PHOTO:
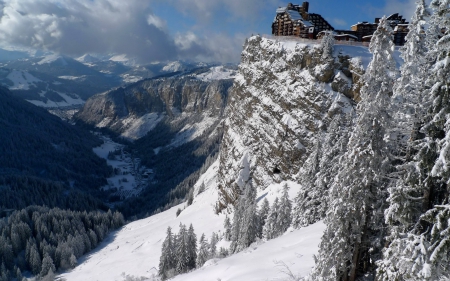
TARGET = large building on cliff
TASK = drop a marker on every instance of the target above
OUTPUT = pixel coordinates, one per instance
(295, 20)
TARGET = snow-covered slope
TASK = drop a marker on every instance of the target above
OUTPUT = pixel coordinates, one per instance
(22, 80)
(135, 249)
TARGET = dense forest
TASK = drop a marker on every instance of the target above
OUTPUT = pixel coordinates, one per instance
(44, 159)
(42, 241)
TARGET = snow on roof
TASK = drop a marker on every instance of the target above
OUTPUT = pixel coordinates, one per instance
(363, 23)
(367, 36)
(307, 23)
(344, 35)
(281, 10)
(294, 15)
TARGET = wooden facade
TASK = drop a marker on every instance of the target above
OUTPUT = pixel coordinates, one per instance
(295, 20)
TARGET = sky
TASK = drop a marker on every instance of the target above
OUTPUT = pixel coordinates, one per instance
(164, 30)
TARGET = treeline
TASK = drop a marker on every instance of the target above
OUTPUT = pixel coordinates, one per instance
(42, 240)
(180, 253)
(250, 224)
(19, 192)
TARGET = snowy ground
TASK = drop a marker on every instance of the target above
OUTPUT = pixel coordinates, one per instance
(192, 131)
(22, 80)
(135, 249)
(139, 127)
(217, 73)
(68, 101)
(130, 181)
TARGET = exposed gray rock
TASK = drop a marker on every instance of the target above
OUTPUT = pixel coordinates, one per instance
(125, 109)
(284, 95)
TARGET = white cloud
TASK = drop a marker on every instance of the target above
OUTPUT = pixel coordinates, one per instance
(207, 10)
(156, 21)
(131, 27)
(83, 26)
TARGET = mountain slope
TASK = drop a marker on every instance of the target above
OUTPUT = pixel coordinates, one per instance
(175, 124)
(135, 249)
(38, 146)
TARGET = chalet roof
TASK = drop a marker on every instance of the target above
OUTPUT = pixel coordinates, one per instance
(363, 23)
(345, 35)
(307, 23)
(294, 15)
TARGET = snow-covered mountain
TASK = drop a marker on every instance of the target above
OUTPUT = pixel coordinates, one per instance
(283, 98)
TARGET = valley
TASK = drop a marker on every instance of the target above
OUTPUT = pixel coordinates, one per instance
(310, 160)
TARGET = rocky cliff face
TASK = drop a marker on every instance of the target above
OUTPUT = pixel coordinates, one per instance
(284, 95)
(135, 110)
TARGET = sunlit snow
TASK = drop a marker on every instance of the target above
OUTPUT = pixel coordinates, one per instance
(135, 249)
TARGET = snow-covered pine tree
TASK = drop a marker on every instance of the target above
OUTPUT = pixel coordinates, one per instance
(168, 259)
(228, 229)
(191, 248)
(182, 265)
(319, 170)
(249, 223)
(308, 197)
(203, 252)
(47, 266)
(239, 209)
(327, 45)
(407, 192)
(213, 245)
(432, 229)
(262, 216)
(354, 236)
(270, 227)
(284, 217)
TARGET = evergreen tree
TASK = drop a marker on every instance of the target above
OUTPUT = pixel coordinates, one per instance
(182, 265)
(262, 217)
(228, 229)
(354, 236)
(427, 191)
(47, 266)
(249, 222)
(237, 222)
(284, 217)
(269, 231)
(413, 182)
(168, 259)
(191, 248)
(245, 220)
(203, 253)
(309, 197)
(213, 245)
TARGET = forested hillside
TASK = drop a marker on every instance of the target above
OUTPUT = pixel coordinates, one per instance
(41, 240)
(44, 160)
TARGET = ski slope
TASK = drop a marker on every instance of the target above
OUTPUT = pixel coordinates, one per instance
(135, 249)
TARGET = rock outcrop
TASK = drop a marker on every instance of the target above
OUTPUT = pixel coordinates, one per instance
(284, 95)
(133, 111)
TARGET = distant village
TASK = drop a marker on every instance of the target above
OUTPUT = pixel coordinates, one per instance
(296, 20)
